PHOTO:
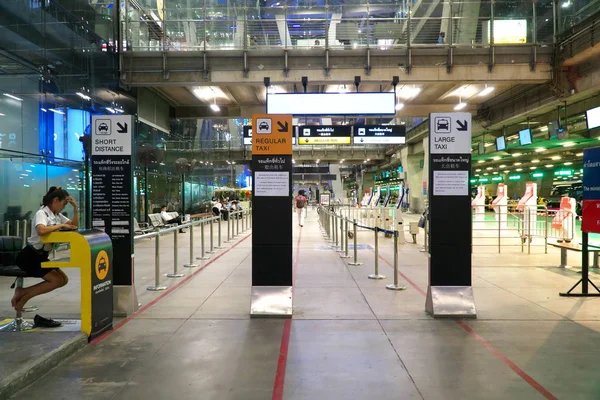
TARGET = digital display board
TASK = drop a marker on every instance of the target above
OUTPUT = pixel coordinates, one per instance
(500, 143)
(380, 134)
(324, 134)
(593, 118)
(525, 137)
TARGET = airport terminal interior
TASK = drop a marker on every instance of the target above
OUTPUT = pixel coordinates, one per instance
(299, 199)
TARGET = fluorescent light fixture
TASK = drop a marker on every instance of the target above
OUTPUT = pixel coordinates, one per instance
(548, 165)
(43, 109)
(506, 171)
(109, 109)
(486, 174)
(2, 115)
(540, 149)
(318, 161)
(496, 158)
(478, 170)
(532, 168)
(56, 111)
(399, 106)
(13, 97)
(517, 154)
(569, 144)
(465, 90)
(556, 158)
(568, 163)
(566, 4)
(535, 161)
(332, 103)
(409, 92)
(486, 91)
(544, 128)
(215, 107)
(579, 154)
(368, 159)
(519, 169)
(489, 168)
(460, 106)
(517, 163)
(480, 161)
(208, 93)
(503, 166)
(83, 96)
(293, 161)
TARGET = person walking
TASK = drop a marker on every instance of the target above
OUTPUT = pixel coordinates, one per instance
(299, 207)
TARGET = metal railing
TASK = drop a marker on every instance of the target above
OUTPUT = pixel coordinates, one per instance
(242, 25)
(335, 230)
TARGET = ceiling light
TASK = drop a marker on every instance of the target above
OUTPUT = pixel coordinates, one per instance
(486, 91)
(503, 166)
(544, 128)
(318, 161)
(568, 163)
(532, 168)
(2, 115)
(540, 149)
(207, 93)
(13, 97)
(293, 161)
(548, 165)
(478, 170)
(496, 158)
(535, 161)
(569, 144)
(460, 106)
(566, 4)
(486, 174)
(112, 110)
(342, 160)
(480, 161)
(409, 92)
(399, 106)
(56, 111)
(518, 163)
(43, 109)
(368, 159)
(83, 96)
(489, 168)
(517, 154)
(506, 171)
(556, 157)
(519, 169)
(579, 154)
(215, 107)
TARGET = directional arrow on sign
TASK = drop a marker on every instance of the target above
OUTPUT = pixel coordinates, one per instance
(462, 126)
(122, 127)
(283, 127)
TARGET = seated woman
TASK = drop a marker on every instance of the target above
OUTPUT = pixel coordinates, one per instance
(48, 219)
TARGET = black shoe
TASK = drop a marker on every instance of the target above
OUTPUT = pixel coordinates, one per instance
(45, 322)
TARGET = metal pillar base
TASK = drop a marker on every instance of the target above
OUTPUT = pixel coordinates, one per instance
(376, 276)
(156, 288)
(450, 302)
(210, 251)
(395, 287)
(174, 275)
(344, 256)
(16, 325)
(203, 258)
(125, 300)
(271, 301)
(355, 263)
(191, 265)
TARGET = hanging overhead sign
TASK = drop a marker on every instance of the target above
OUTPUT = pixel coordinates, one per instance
(362, 103)
(324, 134)
(379, 134)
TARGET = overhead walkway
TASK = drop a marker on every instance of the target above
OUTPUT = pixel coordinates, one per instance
(349, 338)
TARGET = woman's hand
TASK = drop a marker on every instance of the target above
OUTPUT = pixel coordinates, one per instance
(68, 226)
(71, 201)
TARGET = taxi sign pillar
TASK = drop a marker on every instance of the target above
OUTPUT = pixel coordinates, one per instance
(272, 195)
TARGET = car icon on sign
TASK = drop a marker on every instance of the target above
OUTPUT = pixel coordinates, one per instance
(102, 265)
(263, 126)
(443, 124)
(103, 127)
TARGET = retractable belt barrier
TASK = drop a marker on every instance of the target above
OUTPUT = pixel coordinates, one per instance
(338, 239)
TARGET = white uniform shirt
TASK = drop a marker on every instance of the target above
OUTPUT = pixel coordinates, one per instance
(165, 216)
(44, 216)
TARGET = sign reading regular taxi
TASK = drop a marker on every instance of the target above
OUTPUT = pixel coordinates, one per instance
(332, 134)
(271, 134)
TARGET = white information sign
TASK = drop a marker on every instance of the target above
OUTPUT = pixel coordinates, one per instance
(111, 135)
(450, 183)
(450, 133)
(272, 184)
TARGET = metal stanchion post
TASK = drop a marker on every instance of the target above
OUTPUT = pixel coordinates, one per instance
(395, 285)
(341, 234)
(335, 231)
(376, 275)
(219, 246)
(228, 231)
(202, 255)
(355, 245)
(191, 264)
(237, 223)
(175, 257)
(212, 234)
(7, 228)
(156, 286)
(17, 228)
(345, 255)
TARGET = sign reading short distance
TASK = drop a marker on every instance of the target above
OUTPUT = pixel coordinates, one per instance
(324, 134)
(450, 133)
(379, 134)
(272, 134)
(112, 188)
(591, 191)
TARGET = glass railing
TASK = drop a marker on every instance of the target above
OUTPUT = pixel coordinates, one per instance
(270, 24)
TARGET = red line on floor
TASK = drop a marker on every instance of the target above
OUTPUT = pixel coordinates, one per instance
(279, 384)
(527, 378)
(165, 293)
